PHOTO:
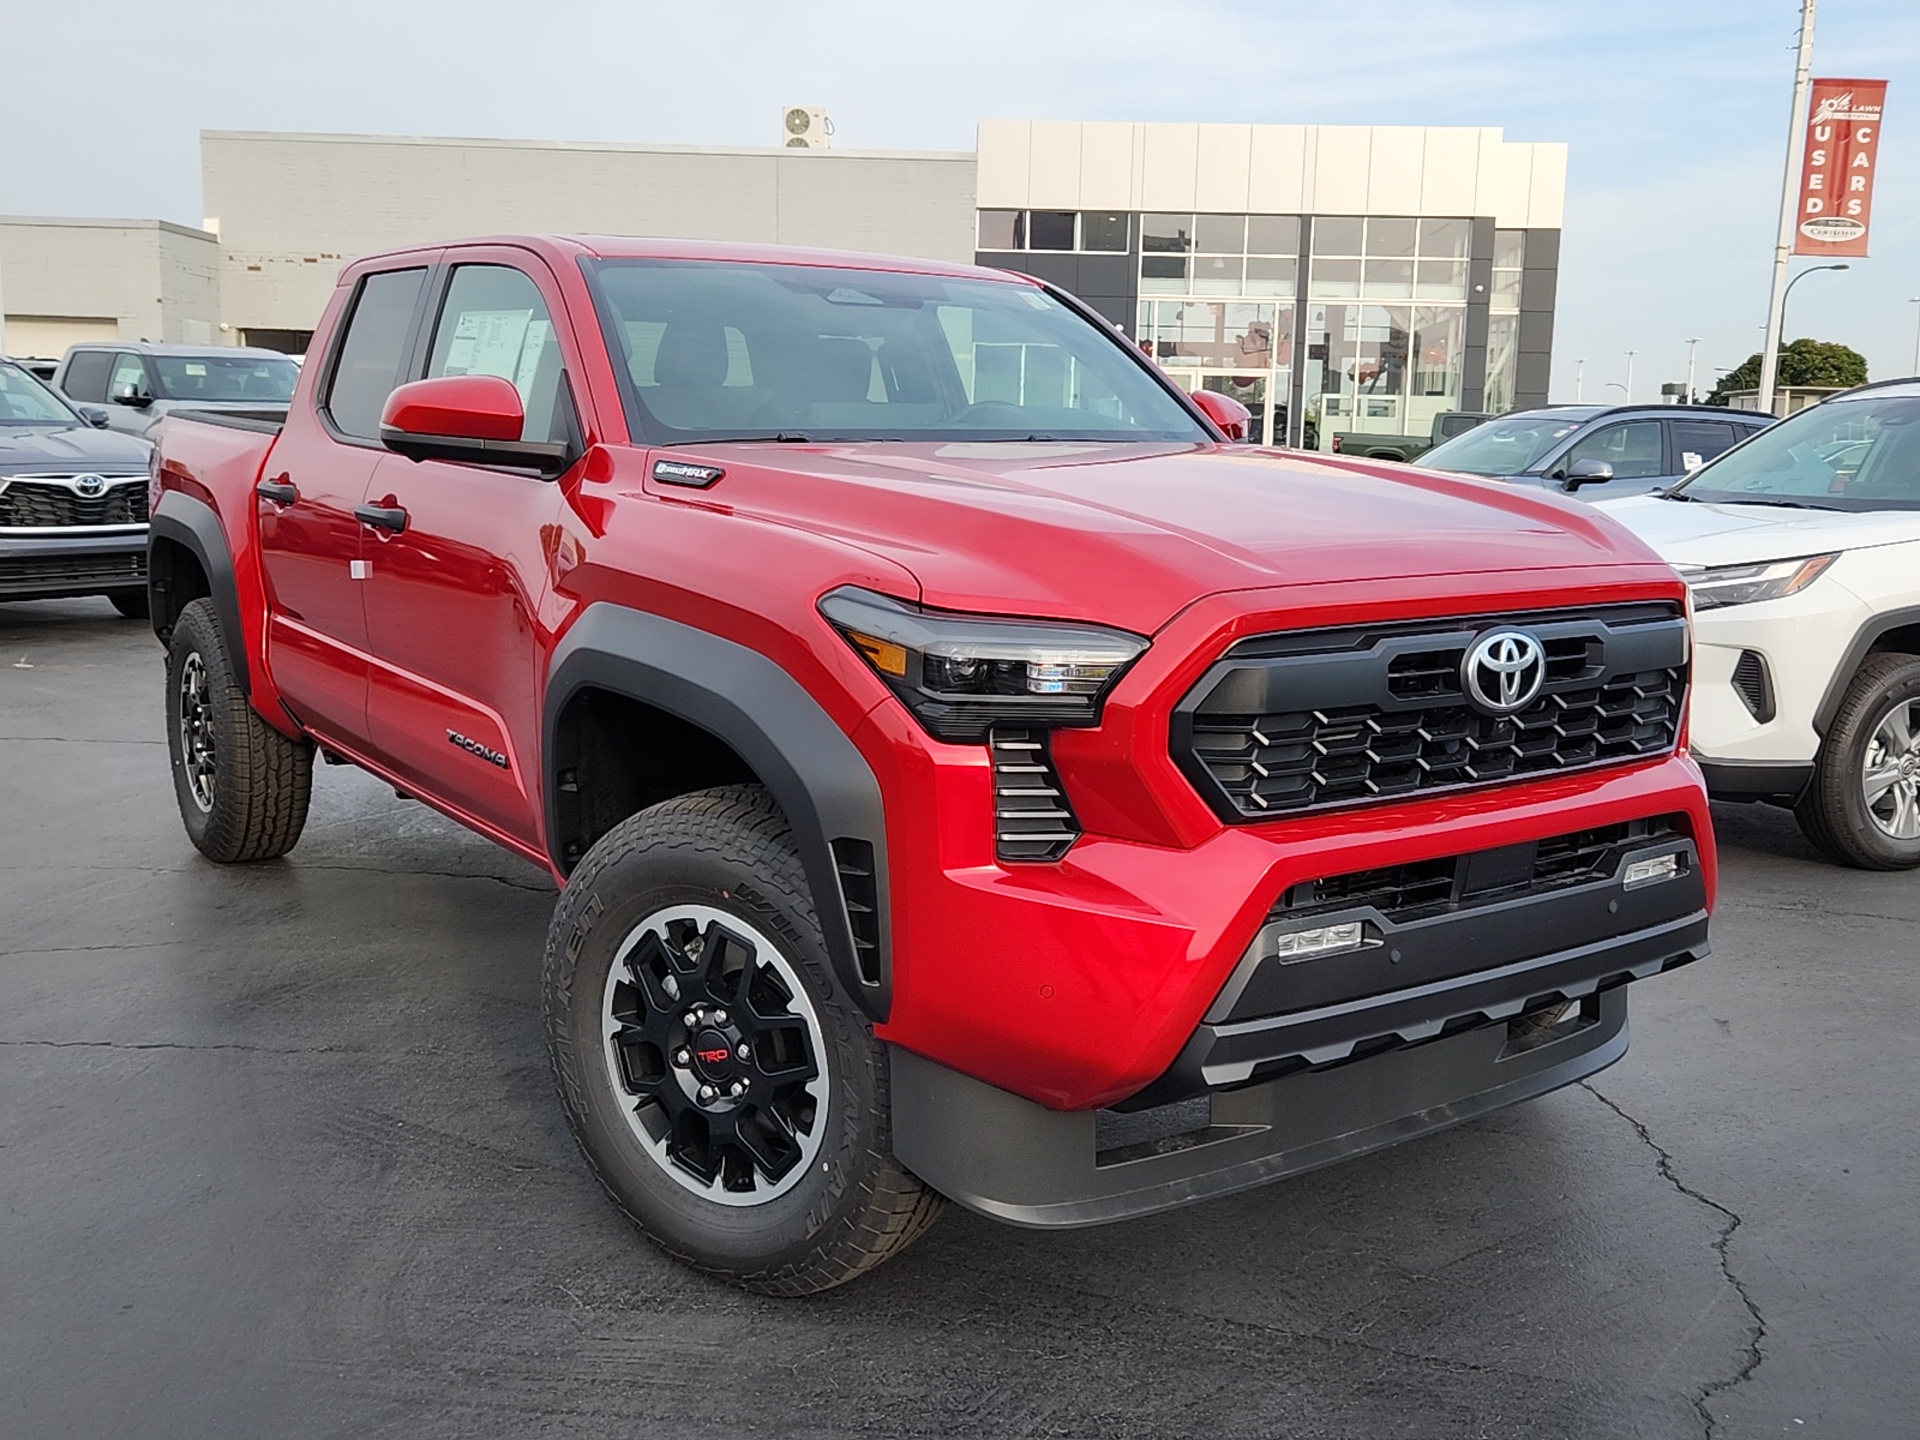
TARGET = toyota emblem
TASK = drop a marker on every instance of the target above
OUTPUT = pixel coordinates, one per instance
(90, 486)
(1504, 670)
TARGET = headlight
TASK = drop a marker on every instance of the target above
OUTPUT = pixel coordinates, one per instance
(1717, 585)
(962, 674)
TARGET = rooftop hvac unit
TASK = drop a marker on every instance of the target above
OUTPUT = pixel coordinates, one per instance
(806, 127)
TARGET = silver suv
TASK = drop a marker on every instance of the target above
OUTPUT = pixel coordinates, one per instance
(140, 383)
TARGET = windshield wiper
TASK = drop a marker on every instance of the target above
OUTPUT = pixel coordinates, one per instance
(779, 437)
(1780, 504)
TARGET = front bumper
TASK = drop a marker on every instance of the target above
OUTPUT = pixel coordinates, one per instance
(50, 566)
(1016, 1161)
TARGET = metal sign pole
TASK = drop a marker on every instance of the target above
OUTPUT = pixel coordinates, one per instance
(1789, 205)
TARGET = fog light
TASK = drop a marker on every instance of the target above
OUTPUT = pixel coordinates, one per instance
(1323, 940)
(1651, 872)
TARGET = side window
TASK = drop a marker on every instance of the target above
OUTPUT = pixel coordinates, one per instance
(86, 377)
(129, 376)
(495, 323)
(367, 366)
(1632, 449)
(1697, 441)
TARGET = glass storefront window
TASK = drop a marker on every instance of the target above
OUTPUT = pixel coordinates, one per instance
(1506, 290)
(1103, 231)
(1220, 234)
(1336, 235)
(1218, 275)
(1273, 235)
(1165, 233)
(1333, 279)
(1163, 274)
(1003, 230)
(1503, 361)
(1509, 249)
(1390, 236)
(1445, 239)
(1439, 344)
(1272, 277)
(1220, 336)
(1387, 279)
(1440, 280)
(1050, 229)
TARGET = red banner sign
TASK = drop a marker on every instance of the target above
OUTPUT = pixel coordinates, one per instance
(1838, 158)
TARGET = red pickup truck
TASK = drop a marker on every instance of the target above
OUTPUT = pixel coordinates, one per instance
(968, 774)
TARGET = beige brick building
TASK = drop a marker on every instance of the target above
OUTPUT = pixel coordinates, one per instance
(67, 280)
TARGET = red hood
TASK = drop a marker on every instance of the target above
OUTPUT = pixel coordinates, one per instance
(1129, 535)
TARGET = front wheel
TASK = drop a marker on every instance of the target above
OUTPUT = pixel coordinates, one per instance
(1863, 807)
(724, 1089)
(241, 785)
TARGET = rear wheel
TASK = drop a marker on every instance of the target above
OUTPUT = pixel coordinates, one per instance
(727, 1094)
(1863, 807)
(241, 785)
(130, 603)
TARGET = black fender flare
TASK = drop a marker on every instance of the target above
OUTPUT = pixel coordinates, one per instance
(815, 773)
(192, 525)
(1864, 640)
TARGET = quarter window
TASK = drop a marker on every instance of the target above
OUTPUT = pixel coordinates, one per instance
(1703, 440)
(370, 355)
(495, 323)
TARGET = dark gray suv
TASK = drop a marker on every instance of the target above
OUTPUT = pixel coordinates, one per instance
(1597, 451)
(140, 383)
(73, 501)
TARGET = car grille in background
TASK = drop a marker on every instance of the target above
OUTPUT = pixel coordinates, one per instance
(20, 571)
(49, 505)
(1031, 817)
(1754, 685)
(1413, 730)
(1424, 888)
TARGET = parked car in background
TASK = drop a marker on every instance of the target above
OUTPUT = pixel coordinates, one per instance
(73, 501)
(1597, 451)
(38, 366)
(1447, 424)
(140, 384)
(1802, 548)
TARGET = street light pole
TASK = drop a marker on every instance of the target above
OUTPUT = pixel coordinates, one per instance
(1692, 345)
(1629, 385)
(1810, 270)
(1580, 374)
(1916, 335)
(1783, 242)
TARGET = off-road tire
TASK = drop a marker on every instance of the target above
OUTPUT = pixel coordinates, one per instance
(260, 780)
(1833, 812)
(728, 850)
(130, 603)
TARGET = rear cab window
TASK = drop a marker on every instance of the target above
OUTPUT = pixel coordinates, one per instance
(371, 350)
(86, 377)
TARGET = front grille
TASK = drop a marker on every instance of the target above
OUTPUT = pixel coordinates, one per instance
(48, 505)
(1031, 817)
(1291, 724)
(106, 570)
(1424, 888)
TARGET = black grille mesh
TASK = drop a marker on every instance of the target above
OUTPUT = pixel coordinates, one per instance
(19, 570)
(1754, 685)
(43, 505)
(1031, 817)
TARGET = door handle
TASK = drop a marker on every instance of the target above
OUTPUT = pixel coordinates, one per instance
(280, 491)
(382, 517)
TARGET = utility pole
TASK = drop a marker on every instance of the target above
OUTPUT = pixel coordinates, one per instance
(1916, 336)
(1580, 375)
(1629, 385)
(1783, 243)
(1692, 345)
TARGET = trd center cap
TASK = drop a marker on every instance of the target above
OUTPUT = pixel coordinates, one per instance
(712, 1056)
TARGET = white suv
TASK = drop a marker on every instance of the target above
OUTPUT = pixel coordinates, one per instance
(1802, 549)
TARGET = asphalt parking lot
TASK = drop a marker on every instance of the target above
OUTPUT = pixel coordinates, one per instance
(279, 1156)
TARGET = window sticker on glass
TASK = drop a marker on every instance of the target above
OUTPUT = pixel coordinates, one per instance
(488, 342)
(195, 367)
(539, 336)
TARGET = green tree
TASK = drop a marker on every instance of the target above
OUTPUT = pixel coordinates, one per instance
(1804, 362)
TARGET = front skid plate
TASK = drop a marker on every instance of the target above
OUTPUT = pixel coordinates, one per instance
(1006, 1157)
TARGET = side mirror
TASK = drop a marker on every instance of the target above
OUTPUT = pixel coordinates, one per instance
(94, 415)
(131, 395)
(472, 418)
(1587, 472)
(1223, 410)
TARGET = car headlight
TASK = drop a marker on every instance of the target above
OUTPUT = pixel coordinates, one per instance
(1712, 586)
(962, 674)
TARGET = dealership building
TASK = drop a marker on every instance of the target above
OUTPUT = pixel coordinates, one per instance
(1331, 277)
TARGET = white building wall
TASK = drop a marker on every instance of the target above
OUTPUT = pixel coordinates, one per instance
(67, 280)
(291, 210)
(1272, 169)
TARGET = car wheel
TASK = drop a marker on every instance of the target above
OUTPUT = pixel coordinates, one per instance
(241, 785)
(1863, 807)
(727, 1094)
(130, 603)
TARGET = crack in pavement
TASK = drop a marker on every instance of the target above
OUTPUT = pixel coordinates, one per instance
(75, 740)
(1754, 1356)
(172, 1045)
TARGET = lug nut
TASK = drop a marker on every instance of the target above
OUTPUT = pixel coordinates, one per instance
(707, 1092)
(739, 1088)
(744, 1051)
(719, 1017)
(683, 1058)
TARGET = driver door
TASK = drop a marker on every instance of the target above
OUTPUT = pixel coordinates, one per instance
(1635, 450)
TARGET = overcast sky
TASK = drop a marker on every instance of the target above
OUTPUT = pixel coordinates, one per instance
(1675, 110)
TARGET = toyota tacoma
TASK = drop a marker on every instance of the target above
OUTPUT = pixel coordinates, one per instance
(967, 774)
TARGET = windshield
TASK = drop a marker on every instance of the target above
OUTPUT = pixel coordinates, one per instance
(1501, 447)
(25, 401)
(725, 351)
(261, 380)
(1857, 454)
